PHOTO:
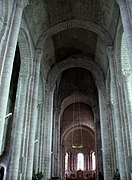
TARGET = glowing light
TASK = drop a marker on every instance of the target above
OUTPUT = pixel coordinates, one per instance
(77, 146)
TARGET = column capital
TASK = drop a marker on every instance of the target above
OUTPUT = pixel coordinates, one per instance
(57, 109)
(99, 84)
(23, 76)
(95, 109)
(38, 54)
(22, 3)
(110, 49)
(40, 104)
(39, 51)
(48, 87)
(126, 73)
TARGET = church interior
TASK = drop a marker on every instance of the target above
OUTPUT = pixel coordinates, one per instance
(66, 89)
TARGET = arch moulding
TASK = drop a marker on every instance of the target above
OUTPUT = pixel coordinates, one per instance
(72, 62)
(102, 33)
(80, 98)
(71, 128)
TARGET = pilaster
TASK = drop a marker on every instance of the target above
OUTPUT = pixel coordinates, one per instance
(33, 118)
(105, 136)
(99, 163)
(19, 112)
(37, 142)
(56, 143)
(7, 70)
(116, 80)
(126, 26)
(48, 132)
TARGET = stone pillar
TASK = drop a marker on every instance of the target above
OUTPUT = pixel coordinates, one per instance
(18, 128)
(127, 93)
(7, 70)
(90, 161)
(124, 124)
(62, 167)
(99, 163)
(70, 166)
(127, 77)
(41, 138)
(117, 112)
(48, 132)
(105, 136)
(75, 162)
(86, 162)
(37, 143)
(33, 118)
(56, 144)
(72, 162)
(26, 128)
(126, 26)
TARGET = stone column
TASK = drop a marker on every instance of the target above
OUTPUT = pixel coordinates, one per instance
(127, 93)
(56, 144)
(105, 136)
(126, 26)
(86, 162)
(72, 159)
(124, 124)
(37, 143)
(48, 131)
(18, 128)
(75, 162)
(99, 163)
(8, 65)
(90, 161)
(41, 139)
(70, 165)
(117, 118)
(62, 167)
(33, 118)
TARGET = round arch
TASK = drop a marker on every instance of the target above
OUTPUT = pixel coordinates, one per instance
(73, 127)
(71, 62)
(102, 33)
(26, 51)
(80, 98)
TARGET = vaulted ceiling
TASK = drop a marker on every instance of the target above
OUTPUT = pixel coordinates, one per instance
(73, 28)
(42, 15)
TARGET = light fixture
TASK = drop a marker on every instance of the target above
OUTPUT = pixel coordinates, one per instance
(8, 115)
(77, 146)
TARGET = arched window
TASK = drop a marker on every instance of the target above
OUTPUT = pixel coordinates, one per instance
(80, 161)
(93, 161)
(66, 161)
